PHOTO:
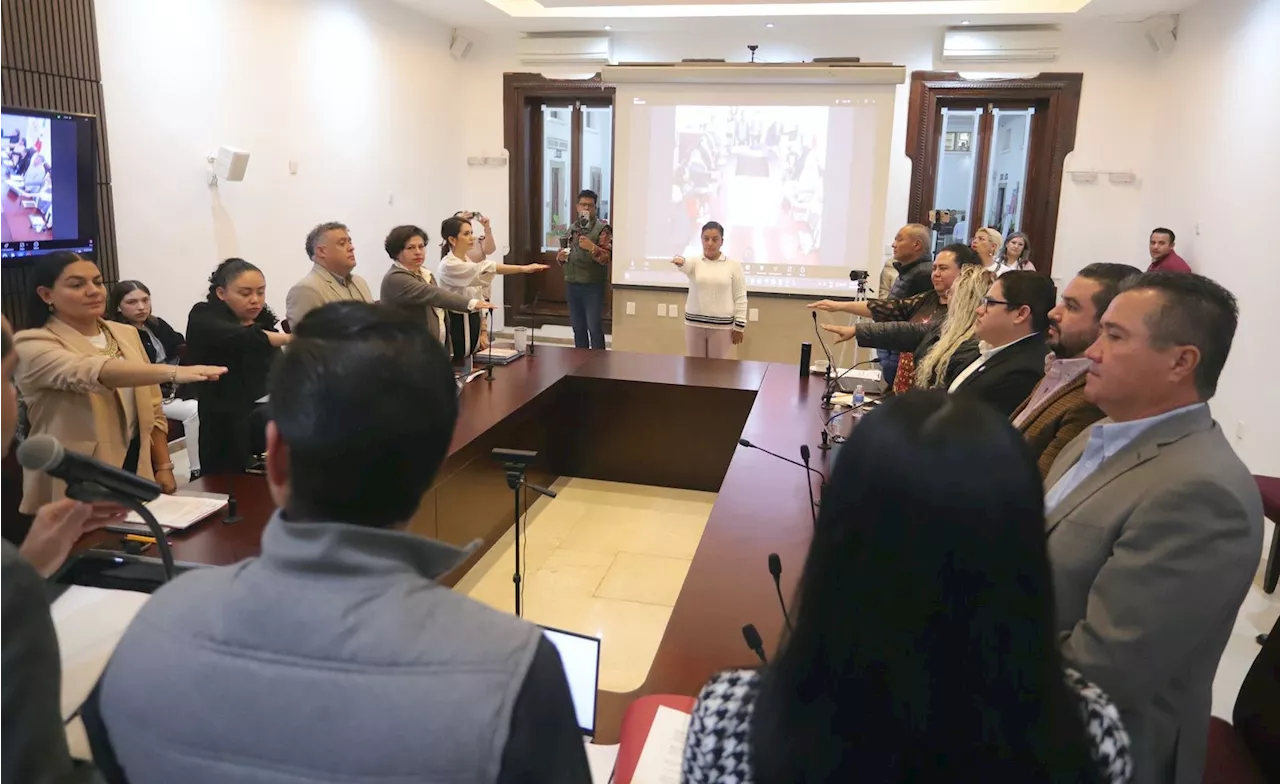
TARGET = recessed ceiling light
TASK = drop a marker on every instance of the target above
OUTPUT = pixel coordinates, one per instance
(768, 24)
(610, 27)
(964, 22)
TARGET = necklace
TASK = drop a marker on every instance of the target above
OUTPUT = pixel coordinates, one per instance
(112, 349)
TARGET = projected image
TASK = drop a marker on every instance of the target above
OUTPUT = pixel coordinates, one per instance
(27, 161)
(758, 170)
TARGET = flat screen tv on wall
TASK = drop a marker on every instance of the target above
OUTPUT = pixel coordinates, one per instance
(48, 191)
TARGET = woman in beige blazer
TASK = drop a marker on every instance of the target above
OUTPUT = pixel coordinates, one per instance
(87, 382)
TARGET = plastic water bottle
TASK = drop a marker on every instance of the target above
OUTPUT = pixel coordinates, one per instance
(859, 396)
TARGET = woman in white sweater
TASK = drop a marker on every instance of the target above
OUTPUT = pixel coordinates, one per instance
(715, 315)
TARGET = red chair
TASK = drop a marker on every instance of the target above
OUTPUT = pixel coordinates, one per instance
(635, 729)
(1247, 751)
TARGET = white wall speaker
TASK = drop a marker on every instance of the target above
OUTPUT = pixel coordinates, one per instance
(231, 164)
(459, 47)
(1161, 33)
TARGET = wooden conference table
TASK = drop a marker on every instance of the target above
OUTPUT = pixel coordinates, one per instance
(638, 418)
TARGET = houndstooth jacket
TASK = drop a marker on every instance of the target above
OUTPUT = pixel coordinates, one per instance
(718, 749)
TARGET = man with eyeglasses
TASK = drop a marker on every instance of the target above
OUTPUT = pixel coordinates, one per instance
(1010, 329)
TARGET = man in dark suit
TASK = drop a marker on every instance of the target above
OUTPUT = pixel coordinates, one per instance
(35, 743)
(1010, 332)
(1056, 410)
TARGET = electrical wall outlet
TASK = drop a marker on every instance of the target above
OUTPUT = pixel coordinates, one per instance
(673, 311)
(753, 314)
(662, 309)
(631, 308)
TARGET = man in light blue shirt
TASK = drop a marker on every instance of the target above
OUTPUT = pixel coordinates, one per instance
(1154, 526)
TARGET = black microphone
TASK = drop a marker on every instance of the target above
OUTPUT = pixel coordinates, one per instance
(533, 329)
(804, 456)
(45, 454)
(813, 508)
(90, 480)
(775, 569)
(488, 373)
(752, 638)
(831, 362)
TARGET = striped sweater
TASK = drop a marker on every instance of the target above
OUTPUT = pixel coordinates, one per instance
(717, 293)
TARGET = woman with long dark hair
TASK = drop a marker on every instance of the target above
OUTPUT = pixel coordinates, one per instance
(924, 646)
(130, 303)
(460, 274)
(234, 327)
(87, 382)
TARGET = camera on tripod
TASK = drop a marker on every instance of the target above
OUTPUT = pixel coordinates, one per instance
(857, 276)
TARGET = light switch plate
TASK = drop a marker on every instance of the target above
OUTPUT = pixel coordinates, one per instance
(631, 308)
(753, 314)
(662, 309)
(673, 311)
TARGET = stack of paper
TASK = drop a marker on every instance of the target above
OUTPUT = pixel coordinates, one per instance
(89, 622)
(175, 512)
(663, 752)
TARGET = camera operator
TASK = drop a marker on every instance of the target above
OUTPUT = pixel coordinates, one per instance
(483, 246)
(585, 256)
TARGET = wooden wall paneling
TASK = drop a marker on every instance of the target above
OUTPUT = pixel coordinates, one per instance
(1056, 95)
(50, 61)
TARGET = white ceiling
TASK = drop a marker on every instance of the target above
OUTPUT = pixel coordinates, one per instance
(660, 15)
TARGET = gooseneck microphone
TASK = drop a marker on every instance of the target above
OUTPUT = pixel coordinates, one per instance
(775, 569)
(533, 326)
(822, 488)
(91, 481)
(488, 373)
(753, 641)
(47, 455)
(813, 504)
(831, 362)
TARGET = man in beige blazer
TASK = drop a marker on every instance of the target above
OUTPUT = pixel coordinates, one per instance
(1154, 524)
(333, 257)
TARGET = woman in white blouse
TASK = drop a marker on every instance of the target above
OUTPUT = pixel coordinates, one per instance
(460, 275)
(715, 315)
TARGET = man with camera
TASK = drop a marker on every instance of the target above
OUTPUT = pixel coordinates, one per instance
(585, 256)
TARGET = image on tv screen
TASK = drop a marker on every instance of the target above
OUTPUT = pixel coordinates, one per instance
(42, 162)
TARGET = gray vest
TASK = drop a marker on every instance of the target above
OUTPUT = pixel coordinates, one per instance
(333, 655)
(581, 266)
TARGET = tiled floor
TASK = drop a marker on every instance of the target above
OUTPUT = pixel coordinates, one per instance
(603, 559)
(608, 560)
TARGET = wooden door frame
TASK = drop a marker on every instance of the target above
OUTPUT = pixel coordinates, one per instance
(520, 133)
(1058, 93)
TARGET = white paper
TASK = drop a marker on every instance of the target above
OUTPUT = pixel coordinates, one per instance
(663, 752)
(181, 511)
(601, 760)
(89, 623)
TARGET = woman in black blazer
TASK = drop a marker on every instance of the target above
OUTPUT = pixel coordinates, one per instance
(130, 303)
(234, 323)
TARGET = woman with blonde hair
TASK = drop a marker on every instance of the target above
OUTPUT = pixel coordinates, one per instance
(986, 241)
(956, 347)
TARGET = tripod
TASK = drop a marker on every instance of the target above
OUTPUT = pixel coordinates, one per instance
(514, 463)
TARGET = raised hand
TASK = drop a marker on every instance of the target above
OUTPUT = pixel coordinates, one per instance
(529, 269)
(825, 305)
(842, 333)
(678, 261)
(192, 374)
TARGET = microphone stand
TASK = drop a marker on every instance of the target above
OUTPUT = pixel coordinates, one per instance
(533, 321)
(515, 480)
(826, 396)
(92, 492)
(488, 373)
(813, 505)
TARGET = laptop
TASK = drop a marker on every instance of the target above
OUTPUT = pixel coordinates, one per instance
(580, 656)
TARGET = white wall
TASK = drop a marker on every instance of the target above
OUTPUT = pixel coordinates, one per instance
(1113, 130)
(1211, 178)
(357, 92)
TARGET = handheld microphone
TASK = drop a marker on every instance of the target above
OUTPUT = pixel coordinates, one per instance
(775, 569)
(752, 638)
(45, 454)
(90, 480)
(813, 507)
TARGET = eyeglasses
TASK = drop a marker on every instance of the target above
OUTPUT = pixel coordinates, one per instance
(989, 301)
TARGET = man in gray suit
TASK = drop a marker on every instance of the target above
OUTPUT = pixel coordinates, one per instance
(331, 279)
(1154, 523)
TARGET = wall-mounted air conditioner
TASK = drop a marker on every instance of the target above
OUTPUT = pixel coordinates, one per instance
(965, 45)
(562, 49)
